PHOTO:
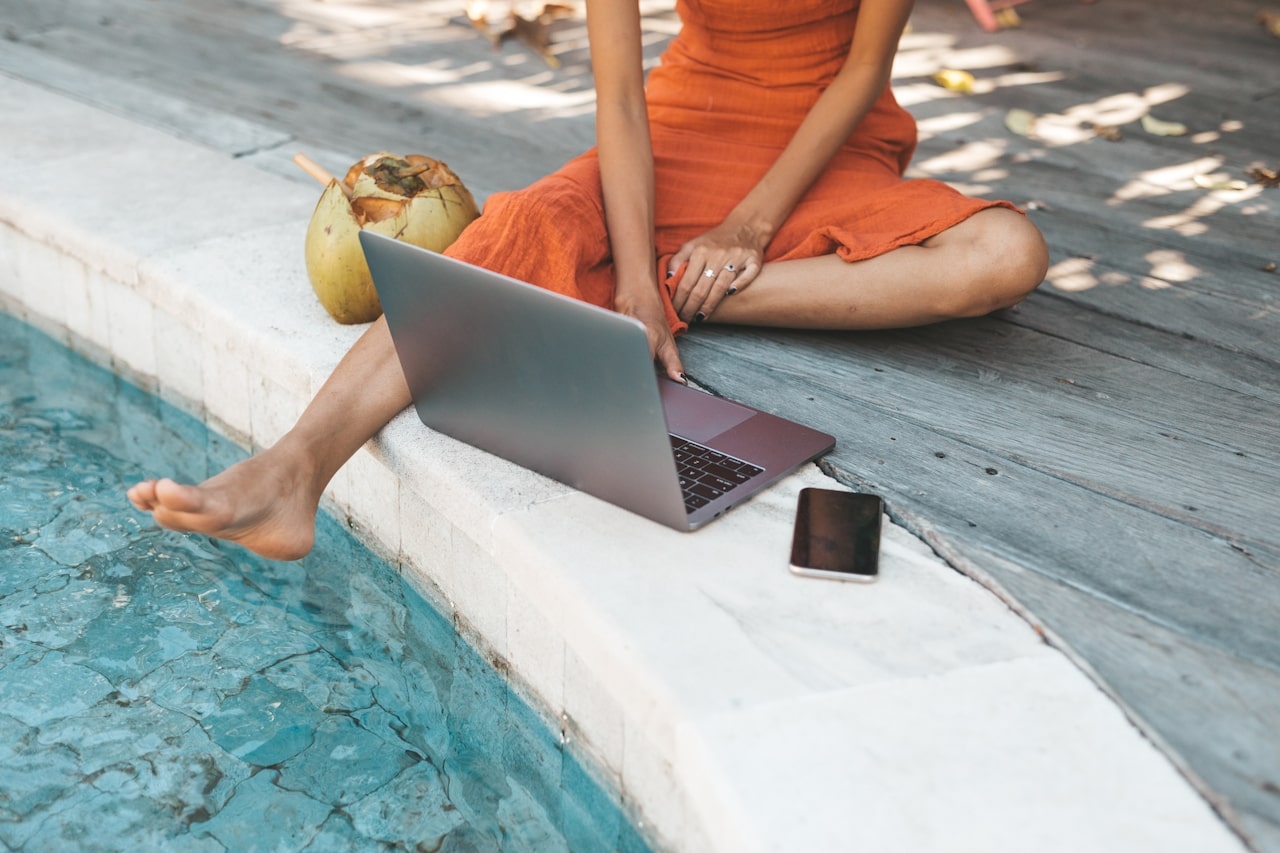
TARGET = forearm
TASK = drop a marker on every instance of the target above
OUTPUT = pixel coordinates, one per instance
(626, 177)
(827, 127)
(622, 142)
(829, 123)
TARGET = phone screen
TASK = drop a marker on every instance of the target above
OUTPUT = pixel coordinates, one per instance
(837, 534)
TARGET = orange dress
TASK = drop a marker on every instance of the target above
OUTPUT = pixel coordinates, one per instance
(730, 91)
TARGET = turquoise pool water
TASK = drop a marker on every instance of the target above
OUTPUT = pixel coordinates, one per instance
(169, 692)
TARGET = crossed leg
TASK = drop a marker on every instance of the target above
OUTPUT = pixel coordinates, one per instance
(268, 502)
(992, 260)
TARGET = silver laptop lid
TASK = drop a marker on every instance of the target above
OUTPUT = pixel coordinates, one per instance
(556, 385)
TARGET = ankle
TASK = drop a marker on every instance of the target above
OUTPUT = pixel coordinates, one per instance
(295, 467)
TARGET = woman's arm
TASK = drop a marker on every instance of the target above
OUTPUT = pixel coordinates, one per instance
(626, 168)
(742, 238)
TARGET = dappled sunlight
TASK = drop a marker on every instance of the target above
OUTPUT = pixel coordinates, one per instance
(342, 30)
(503, 96)
(1078, 274)
(1189, 222)
(392, 46)
(479, 97)
(921, 54)
(1206, 137)
(397, 75)
(1072, 275)
(971, 157)
(972, 139)
(946, 123)
(427, 52)
(1171, 265)
(1163, 181)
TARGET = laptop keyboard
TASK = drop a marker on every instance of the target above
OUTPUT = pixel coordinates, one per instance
(706, 474)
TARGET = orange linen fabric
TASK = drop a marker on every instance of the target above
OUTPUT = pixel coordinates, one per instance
(729, 93)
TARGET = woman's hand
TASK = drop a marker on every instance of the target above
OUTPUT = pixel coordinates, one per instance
(716, 264)
(647, 308)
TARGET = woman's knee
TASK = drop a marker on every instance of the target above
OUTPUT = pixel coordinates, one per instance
(1006, 260)
(1026, 257)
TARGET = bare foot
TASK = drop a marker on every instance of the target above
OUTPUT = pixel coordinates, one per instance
(264, 503)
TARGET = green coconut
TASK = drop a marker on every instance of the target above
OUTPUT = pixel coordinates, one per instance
(415, 199)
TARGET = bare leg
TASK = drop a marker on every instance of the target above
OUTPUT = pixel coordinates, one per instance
(989, 261)
(268, 503)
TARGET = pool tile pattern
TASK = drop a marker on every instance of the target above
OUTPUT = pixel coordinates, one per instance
(162, 691)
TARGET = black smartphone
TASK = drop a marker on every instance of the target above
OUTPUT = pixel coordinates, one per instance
(837, 535)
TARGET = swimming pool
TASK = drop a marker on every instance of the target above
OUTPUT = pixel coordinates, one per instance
(162, 691)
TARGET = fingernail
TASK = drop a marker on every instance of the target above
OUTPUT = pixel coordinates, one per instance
(731, 291)
(699, 317)
(684, 379)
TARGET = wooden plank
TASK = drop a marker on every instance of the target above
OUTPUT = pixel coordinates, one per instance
(1098, 422)
(1138, 185)
(1143, 40)
(1136, 180)
(1062, 318)
(1209, 283)
(1224, 263)
(224, 132)
(1161, 252)
(311, 98)
(1125, 554)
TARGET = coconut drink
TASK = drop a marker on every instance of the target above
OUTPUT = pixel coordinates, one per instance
(416, 199)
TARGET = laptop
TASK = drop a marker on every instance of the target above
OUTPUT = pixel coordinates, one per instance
(569, 390)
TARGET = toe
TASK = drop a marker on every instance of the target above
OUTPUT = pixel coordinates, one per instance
(177, 497)
(143, 495)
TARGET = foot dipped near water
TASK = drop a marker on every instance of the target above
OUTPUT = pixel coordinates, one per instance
(253, 503)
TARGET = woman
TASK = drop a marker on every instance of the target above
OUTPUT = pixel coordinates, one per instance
(757, 180)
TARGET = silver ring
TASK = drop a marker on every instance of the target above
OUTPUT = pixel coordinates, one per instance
(730, 268)
(709, 273)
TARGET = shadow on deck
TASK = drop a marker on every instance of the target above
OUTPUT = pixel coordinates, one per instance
(1104, 456)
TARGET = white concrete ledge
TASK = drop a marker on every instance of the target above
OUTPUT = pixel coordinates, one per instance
(734, 707)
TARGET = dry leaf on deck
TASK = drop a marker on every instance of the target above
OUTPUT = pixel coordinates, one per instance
(1021, 122)
(500, 20)
(954, 80)
(1109, 132)
(1262, 175)
(1008, 18)
(1156, 127)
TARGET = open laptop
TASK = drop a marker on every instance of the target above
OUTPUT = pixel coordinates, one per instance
(569, 390)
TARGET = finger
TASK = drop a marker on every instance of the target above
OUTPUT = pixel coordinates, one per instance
(668, 358)
(720, 290)
(700, 285)
(693, 311)
(693, 276)
(679, 259)
(744, 277)
(710, 291)
(680, 265)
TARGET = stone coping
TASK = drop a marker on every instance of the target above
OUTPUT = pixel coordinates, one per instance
(733, 706)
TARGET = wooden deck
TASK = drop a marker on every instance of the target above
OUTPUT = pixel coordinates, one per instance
(1105, 455)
